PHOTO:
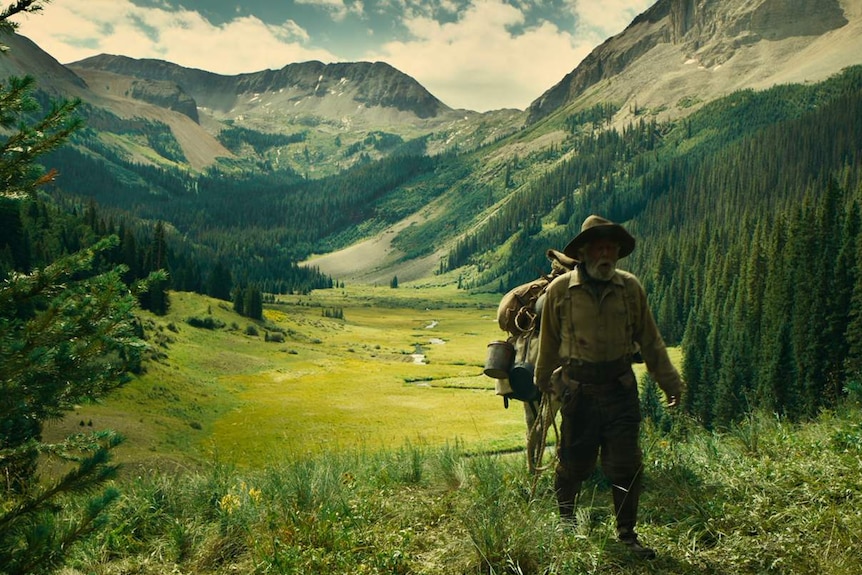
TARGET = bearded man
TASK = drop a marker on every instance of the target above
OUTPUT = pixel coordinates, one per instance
(594, 319)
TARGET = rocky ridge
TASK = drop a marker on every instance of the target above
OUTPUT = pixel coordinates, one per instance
(696, 50)
(302, 85)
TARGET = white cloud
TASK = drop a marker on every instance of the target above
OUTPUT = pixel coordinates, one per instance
(476, 63)
(607, 18)
(448, 6)
(336, 8)
(71, 30)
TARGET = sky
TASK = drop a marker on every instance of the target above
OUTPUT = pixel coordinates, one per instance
(473, 54)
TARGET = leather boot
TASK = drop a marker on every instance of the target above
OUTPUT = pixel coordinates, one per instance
(631, 542)
(626, 499)
(626, 509)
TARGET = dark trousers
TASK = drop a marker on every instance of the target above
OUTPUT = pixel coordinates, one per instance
(601, 417)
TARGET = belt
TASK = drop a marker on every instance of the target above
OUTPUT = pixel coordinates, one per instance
(598, 372)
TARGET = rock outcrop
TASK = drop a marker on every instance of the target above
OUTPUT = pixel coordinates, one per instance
(709, 33)
(366, 83)
(166, 95)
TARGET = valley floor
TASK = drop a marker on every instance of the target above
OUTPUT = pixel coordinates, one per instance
(310, 444)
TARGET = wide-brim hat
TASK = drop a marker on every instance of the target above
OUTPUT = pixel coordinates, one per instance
(597, 227)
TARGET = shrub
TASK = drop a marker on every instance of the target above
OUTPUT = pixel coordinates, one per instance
(208, 322)
(275, 337)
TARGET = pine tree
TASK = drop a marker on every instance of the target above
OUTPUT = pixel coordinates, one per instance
(253, 304)
(46, 367)
(129, 254)
(67, 333)
(652, 404)
(775, 365)
(853, 331)
(12, 238)
(239, 300)
(219, 283)
(156, 298)
(840, 305)
(804, 242)
(698, 396)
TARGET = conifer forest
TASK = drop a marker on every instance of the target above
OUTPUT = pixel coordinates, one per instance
(747, 214)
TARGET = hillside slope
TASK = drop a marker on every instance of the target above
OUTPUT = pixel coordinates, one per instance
(671, 61)
(338, 111)
(305, 87)
(114, 96)
(680, 54)
(376, 260)
(337, 114)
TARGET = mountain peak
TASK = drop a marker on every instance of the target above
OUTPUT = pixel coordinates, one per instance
(25, 58)
(695, 50)
(304, 85)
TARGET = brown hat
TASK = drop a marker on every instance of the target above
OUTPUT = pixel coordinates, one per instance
(595, 227)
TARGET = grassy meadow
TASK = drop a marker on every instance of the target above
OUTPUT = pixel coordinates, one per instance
(308, 444)
(402, 366)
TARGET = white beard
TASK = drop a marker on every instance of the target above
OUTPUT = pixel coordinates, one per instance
(602, 270)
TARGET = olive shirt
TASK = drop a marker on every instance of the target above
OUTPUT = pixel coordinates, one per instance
(598, 322)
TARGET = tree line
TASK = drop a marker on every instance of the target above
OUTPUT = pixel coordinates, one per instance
(747, 213)
(260, 220)
(768, 142)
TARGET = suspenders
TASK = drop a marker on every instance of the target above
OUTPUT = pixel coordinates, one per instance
(630, 308)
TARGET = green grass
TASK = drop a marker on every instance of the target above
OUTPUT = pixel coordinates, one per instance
(767, 497)
(331, 384)
(331, 452)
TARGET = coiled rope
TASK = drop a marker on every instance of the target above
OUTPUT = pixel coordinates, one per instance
(537, 437)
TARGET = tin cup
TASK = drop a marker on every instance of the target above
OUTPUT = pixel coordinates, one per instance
(501, 356)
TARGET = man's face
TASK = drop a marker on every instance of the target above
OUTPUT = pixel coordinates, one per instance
(600, 258)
